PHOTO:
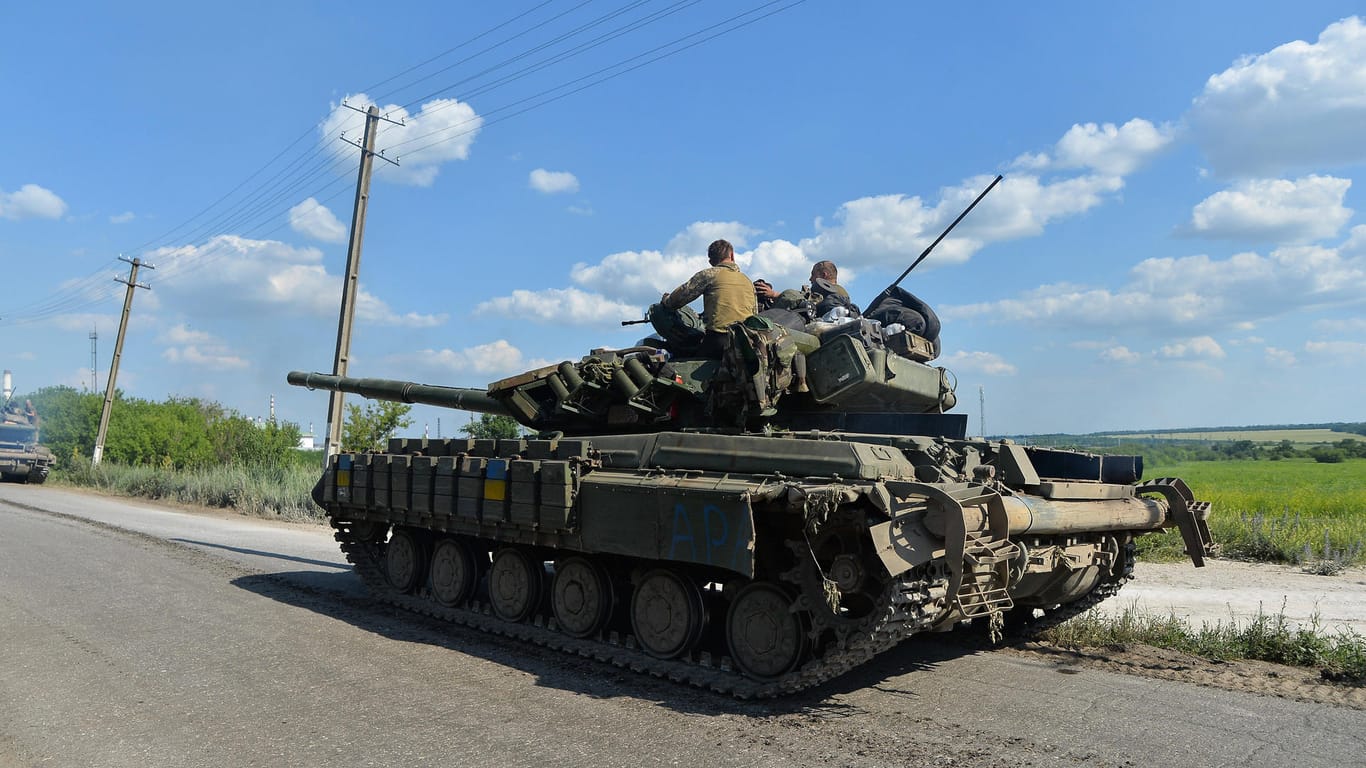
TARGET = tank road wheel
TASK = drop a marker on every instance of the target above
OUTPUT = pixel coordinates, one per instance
(403, 561)
(514, 584)
(667, 614)
(581, 597)
(453, 572)
(766, 638)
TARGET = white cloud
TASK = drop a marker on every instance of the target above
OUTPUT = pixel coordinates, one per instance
(620, 285)
(580, 210)
(1356, 242)
(441, 131)
(988, 363)
(1346, 350)
(1199, 347)
(553, 182)
(199, 349)
(1349, 325)
(497, 358)
(313, 219)
(248, 274)
(122, 218)
(1274, 210)
(641, 276)
(1111, 150)
(1281, 357)
(1032, 161)
(877, 230)
(561, 305)
(31, 202)
(1299, 106)
(694, 240)
(1190, 294)
(1120, 354)
(783, 264)
(213, 358)
(636, 276)
(183, 334)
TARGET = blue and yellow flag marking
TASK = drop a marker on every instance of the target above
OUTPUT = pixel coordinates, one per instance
(496, 480)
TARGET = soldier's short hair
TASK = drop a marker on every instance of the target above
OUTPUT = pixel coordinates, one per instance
(719, 251)
(825, 270)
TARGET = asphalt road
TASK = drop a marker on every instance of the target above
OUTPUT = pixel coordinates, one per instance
(135, 635)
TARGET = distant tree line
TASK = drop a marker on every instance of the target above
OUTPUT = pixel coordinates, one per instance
(1351, 427)
(177, 433)
(186, 433)
(1158, 451)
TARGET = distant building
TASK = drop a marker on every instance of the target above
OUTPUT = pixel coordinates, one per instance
(307, 442)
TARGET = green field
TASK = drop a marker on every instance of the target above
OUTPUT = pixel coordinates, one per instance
(1291, 511)
(1296, 436)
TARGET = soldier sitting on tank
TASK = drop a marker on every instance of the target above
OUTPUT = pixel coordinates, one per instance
(727, 296)
(823, 294)
(826, 292)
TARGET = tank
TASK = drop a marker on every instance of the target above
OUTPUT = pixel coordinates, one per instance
(753, 524)
(22, 459)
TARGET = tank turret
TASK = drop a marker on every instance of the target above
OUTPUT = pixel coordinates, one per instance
(845, 374)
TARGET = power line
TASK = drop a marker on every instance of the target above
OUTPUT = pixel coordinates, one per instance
(612, 76)
(582, 28)
(453, 49)
(256, 208)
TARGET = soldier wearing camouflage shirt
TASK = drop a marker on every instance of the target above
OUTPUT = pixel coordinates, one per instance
(727, 295)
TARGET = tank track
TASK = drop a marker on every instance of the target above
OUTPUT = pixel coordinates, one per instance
(1051, 618)
(910, 606)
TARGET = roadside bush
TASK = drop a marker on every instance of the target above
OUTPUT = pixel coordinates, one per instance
(180, 433)
(1339, 656)
(1327, 455)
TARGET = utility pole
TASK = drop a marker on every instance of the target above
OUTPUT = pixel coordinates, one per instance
(350, 283)
(94, 359)
(132, 283)
(982, 411)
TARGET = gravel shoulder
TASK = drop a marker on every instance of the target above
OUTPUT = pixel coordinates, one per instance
(1229, 592)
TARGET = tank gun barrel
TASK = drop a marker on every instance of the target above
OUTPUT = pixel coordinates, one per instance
(459, 398)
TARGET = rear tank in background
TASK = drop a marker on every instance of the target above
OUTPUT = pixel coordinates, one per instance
(754, 524)
(22, 458)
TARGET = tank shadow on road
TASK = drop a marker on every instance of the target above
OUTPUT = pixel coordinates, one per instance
(341, 566)
(341, 596)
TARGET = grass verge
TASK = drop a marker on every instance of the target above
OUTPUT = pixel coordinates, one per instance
(1339, 656)
(272, 491)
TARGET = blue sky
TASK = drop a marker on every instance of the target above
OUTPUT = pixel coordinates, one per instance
(1176, 242)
